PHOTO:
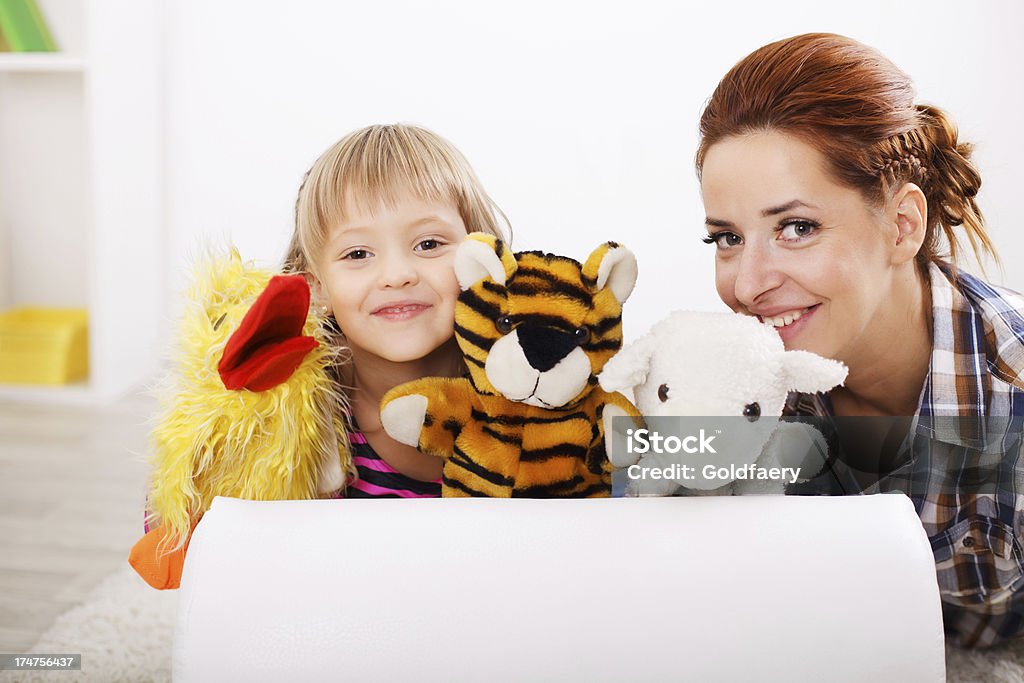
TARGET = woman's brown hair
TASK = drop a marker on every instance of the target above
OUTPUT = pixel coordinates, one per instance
(857, 108)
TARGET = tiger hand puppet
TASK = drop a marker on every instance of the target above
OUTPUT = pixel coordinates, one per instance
(530, 420)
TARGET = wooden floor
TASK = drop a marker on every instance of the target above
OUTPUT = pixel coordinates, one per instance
(72, 489)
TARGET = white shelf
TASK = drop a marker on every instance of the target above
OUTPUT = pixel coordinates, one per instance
(72, 394)
(80, 204)
(40, 62)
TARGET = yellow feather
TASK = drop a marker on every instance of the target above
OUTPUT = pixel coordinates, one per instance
(211, 441)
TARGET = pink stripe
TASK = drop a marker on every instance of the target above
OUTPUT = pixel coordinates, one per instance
(378, 465)
(366, 487)
(356, 437)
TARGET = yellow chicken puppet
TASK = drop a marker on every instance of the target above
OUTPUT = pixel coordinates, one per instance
(249, 410)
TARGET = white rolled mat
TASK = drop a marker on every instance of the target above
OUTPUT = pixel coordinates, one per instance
(701, 589)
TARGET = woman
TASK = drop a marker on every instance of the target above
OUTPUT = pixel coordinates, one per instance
(830, 198)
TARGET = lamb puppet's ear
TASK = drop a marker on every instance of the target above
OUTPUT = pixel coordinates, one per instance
(809, 373)
(482, 256)
(629, 367)
(614, 266)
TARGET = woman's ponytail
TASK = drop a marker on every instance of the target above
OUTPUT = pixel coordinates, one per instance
(951, 188)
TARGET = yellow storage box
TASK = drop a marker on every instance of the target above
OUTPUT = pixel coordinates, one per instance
(44, 345)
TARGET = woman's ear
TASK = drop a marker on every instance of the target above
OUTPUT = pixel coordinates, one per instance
(908, 213)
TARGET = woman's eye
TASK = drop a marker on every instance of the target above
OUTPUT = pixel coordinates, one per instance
(724, 239)
(797, 230)
(357, 255)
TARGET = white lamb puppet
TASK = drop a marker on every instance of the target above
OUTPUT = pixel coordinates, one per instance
(698, 364)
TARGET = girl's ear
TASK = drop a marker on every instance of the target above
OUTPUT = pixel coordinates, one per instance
(611, 265)
(320, 295)
(482, 256)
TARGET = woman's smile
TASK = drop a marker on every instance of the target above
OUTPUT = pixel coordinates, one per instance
(792, 323)
(788, 322)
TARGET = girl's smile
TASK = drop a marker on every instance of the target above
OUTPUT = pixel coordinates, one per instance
(401, 310)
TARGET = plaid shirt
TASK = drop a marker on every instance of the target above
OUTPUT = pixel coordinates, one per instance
(960, 462)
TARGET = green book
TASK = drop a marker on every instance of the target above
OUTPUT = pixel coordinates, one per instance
(24, 27)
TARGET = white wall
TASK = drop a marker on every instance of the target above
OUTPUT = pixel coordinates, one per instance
(579, 118)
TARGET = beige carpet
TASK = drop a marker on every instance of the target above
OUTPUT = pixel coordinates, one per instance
(1003, 664)
(124, 632)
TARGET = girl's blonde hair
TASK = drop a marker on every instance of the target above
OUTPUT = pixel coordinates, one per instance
(376, 165)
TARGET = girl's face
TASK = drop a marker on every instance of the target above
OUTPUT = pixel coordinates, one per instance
(387, 276)
(794, 247)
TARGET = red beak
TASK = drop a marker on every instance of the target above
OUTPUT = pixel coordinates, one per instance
(268, 345)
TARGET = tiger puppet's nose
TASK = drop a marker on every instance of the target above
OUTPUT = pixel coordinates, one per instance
(539, 365)
(544, 346)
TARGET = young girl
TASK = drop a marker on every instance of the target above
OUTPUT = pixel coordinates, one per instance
(378, 219)
(830, 195)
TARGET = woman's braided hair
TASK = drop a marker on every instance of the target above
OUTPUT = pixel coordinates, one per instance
(931, 157)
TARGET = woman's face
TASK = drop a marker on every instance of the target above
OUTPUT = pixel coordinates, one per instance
(794, 247)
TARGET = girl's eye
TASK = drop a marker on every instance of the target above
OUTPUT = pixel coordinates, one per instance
(723, 239)
(357, 255)
(428, 245)
(797, 230)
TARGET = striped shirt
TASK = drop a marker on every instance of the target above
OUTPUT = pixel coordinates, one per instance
(377, 479)
(959, 458)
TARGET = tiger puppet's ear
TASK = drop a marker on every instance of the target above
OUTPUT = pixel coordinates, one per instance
(482, 256)
(613, 266)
